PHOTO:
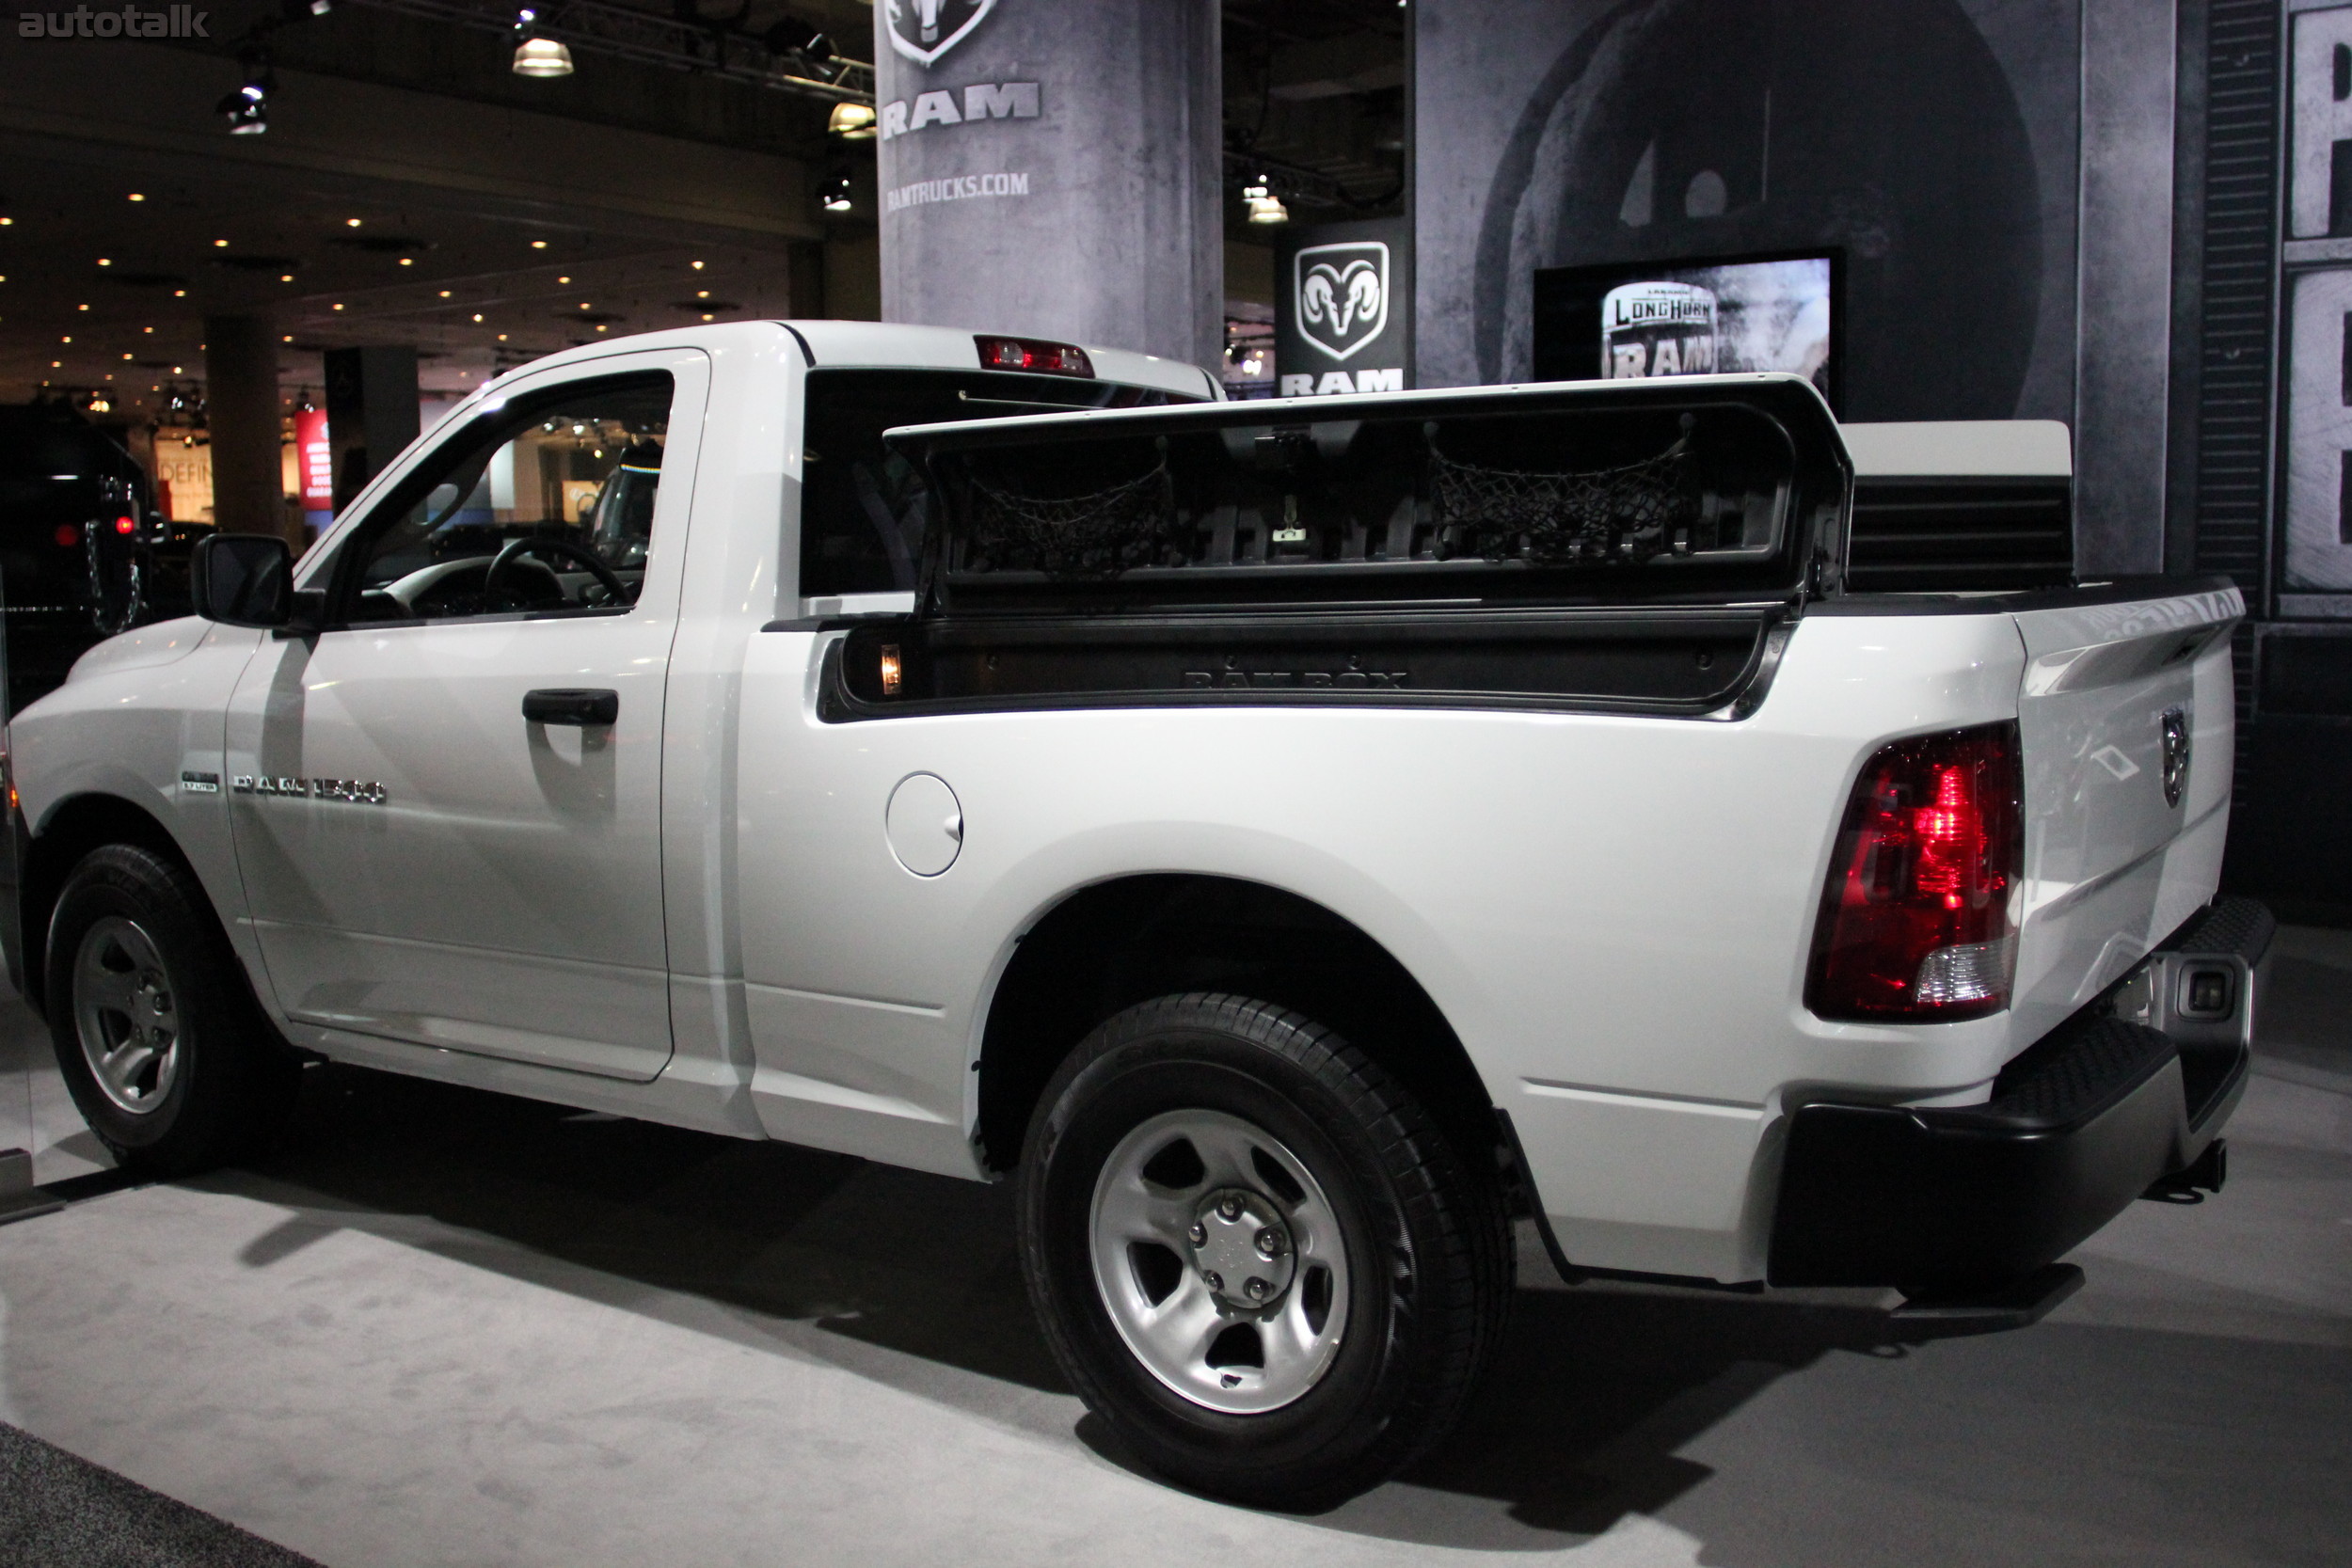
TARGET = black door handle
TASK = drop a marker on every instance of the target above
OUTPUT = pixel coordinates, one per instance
(581, 705)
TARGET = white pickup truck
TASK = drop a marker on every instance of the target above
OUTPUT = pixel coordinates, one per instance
(1291, 840)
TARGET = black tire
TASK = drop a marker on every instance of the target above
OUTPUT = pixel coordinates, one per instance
(225, 1083)
(1428, 1263)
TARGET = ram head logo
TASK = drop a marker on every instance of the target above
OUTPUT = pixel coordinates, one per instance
(1340, 295)
(923, 30)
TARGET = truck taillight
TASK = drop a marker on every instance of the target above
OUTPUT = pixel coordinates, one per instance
(1028, 354)
(1914, 921)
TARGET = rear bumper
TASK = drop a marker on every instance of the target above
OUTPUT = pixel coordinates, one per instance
(2078, 1126)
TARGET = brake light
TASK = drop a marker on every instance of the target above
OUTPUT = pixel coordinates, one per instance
(1914, 921)
(1028, 354)
(126, 525)
(66, 536)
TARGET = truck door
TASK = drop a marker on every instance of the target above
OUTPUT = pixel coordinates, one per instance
(446, 804)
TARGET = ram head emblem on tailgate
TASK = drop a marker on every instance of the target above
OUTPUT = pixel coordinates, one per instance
(2175, 754)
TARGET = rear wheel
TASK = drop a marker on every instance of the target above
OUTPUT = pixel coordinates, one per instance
(1254, 1255)
(165, 1055)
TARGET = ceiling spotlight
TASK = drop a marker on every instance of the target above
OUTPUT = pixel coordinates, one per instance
(350, 223)
(563, 280)
(851, 121)
(477, 315)
(138, 197)
(286, 278)
(696, 266)
(1265, 206)
(444, 293)
(834, 195)
(104, 262)
(247, 110)
(538, 245)
(535, 56)
(408, 260)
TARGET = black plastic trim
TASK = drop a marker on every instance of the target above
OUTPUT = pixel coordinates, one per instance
(1737, 697)
(1960, 1198)
(808, 355)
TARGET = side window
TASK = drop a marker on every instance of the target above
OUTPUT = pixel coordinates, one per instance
(864, 508)
(544, 507)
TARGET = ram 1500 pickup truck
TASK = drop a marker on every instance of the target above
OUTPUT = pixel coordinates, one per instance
(1294, 841)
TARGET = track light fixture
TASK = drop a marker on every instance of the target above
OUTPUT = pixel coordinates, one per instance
(791, 36)
(1265, 206)
(834, 192)
(247, 110)
(535, 56)
(851, 121)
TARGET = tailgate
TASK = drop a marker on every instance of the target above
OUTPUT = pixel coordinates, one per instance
(2127, 724)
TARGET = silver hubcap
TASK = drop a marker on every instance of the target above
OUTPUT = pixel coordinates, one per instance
(126, 1015)
(1220, 1260)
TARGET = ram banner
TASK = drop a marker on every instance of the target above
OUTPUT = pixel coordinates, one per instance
(1342, 308)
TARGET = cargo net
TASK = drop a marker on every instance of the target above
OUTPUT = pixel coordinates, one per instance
(1604, 515)
(1097, 535)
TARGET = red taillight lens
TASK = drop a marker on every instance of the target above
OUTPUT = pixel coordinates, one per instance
(126, 525)
(66, 536)
(1914, 921)
(1028, 354)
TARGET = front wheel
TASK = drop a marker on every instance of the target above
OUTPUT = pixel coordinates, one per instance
(1255, 1255)
(166, 1055)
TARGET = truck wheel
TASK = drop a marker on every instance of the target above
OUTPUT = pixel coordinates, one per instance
(166, 1056)
(1254, 1255)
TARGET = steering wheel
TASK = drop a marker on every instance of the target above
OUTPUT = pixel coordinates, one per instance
(514, 549)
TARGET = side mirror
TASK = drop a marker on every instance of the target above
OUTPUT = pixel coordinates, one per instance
(246, 579)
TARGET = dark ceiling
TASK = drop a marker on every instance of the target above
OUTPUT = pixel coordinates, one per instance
(101, 291)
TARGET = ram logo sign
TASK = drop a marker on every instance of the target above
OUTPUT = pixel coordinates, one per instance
(1343, 294)
(923, 30)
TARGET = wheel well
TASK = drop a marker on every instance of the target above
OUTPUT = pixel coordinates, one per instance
(78, 825)
(1117, 943)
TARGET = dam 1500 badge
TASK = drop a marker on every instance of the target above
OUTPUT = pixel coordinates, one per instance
(354, 791)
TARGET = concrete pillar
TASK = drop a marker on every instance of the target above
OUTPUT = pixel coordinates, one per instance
(241, 411)
(2123, 325)
(371, 412)
(1055, 170)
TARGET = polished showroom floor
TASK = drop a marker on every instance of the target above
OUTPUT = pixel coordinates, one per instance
(444, 1327)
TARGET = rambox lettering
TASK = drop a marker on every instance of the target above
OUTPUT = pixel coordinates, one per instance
(172, 22)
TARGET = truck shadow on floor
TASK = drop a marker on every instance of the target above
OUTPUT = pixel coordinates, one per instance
(1592, 1394)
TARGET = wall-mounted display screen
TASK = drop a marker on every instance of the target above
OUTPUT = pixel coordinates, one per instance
(1635, 321)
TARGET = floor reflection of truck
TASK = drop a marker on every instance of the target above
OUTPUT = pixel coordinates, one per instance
(84, 552)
